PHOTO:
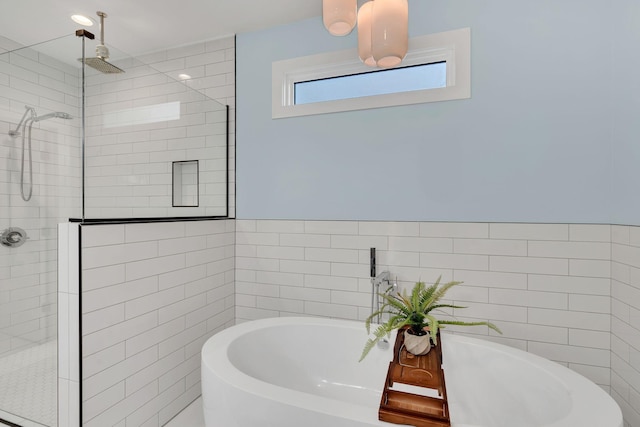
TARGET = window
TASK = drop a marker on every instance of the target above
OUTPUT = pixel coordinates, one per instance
(437, 68)
(381, 82)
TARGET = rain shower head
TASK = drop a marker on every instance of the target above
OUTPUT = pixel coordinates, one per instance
(100, 64)
(100, 61)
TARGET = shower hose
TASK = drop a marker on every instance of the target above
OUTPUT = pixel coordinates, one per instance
(26, 197)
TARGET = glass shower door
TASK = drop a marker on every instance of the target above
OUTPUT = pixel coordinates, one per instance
(39, 187)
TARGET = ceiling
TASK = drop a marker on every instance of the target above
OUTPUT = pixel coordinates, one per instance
(143, 26)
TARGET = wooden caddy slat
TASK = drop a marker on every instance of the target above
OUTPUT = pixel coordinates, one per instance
(402, 407)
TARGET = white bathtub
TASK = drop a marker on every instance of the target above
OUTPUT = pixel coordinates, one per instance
(287, 372)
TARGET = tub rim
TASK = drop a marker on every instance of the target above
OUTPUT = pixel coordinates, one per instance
(582, 391)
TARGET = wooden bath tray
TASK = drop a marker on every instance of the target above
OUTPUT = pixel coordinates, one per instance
(415, 392)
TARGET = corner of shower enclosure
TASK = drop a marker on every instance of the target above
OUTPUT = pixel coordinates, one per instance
(83, 147)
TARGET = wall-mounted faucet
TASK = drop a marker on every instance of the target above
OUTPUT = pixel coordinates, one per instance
(382, 279)
(393, 288)
(379, 283)
(13, 237)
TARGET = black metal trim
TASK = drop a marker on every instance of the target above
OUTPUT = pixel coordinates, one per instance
(235, 133)
(58, 323)
(9, 423)
(95, 221)
(228, 182)
(85, 33)
(83, 135)
(80, 348)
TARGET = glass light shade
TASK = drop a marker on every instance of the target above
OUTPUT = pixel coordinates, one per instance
(364, 34)
(339, 16)
(390, 32)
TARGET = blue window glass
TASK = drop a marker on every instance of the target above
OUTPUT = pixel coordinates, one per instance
(407, 79)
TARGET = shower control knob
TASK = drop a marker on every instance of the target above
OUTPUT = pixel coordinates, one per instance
(13, 237)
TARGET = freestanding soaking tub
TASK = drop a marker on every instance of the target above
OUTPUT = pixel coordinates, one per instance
(286, 372)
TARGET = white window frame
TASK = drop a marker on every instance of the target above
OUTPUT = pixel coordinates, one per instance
(454, 47)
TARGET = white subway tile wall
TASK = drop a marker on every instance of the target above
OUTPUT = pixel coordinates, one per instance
(152, 295)
(68, 325)
(515, 275)
(28, 273)
(625, 321)
(568, 292)
(129, 161)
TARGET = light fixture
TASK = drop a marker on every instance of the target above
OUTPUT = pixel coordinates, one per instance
(365, 14)
(339, 16)
(82, 20)
(390, 32)
(184, 76)
(383, 28)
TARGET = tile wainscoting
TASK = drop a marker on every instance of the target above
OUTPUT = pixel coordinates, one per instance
(547, 286)
(568, 292)
(151, 295)
(625, 321)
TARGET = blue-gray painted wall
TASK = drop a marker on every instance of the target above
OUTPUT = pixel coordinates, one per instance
(533, 144)
(625, 113)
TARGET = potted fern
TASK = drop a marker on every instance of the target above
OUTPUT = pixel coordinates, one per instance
(414, 311)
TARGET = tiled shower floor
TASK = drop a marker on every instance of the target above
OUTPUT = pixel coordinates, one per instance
(28, 386)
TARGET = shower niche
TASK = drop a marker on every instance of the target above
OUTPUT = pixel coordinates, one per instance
(186, 183)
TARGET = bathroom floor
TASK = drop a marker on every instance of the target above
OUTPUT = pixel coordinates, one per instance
(191, 416)
(28, 385)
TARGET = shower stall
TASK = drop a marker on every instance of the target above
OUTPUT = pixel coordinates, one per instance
(84, 146)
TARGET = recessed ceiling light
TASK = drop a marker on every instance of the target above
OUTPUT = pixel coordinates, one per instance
(184, 76)
(82, 20)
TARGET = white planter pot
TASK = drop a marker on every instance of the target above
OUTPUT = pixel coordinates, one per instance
(418, 345)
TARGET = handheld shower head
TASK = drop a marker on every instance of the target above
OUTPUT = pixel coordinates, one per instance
(54, 115)
(25, 125)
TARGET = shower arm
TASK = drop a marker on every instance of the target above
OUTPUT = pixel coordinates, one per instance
(33, 116)
(102, 15)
